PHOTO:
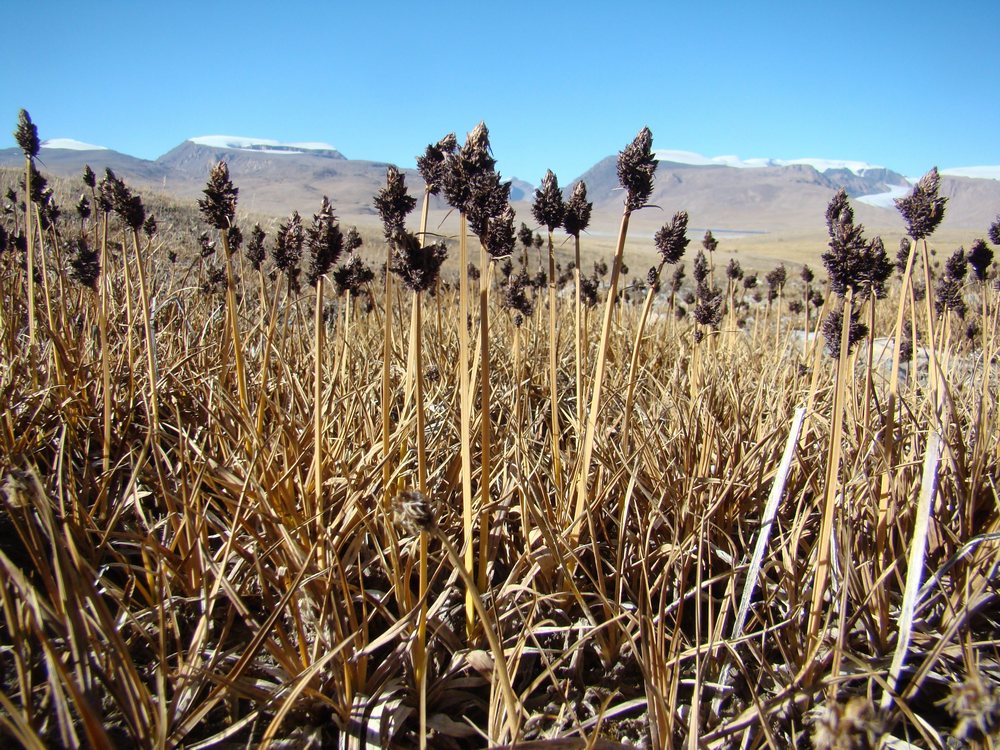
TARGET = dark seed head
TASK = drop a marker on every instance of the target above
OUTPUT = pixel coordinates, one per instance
(994, 233)
(255, 247)
(393, 203)
(89, 178)
(465, 165)
(417, 267)
(288, 245)
(807, 275)
(432, 164)
(325, 242)
(677, 280)
(845, 259)
(833, 325)
(948, 296)
(219, 203)
(353, 240)
(353, 275)
(83, 208)
(636, 165)
(548, 208)
(708, 310)
(498, 239)
(27, 135)
(875, 269)
(980, 257)
(85, 265)
(776, 278)
(709, 242)
(956, 265)
(700, 267)
(576, 217)
(671, 239)
(923, 209)
(734, 272)
(516, 297)
(488, 199)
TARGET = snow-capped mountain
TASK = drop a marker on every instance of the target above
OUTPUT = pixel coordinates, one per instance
(70, 144)
(820, 165)
(979, 173)
(726, 193)
(258, 145)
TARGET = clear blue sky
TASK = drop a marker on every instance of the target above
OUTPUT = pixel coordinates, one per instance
(560, 84)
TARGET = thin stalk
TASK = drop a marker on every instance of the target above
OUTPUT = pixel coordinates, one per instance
(465, 403)
(318, 335)
(386, 395)
(45, 274)
(582, 495)
(147, 323)
(234, 327)
(420, 645)
(31, 251)
(633, 365)
(485, 275)
(933, 380)
(105, 354)
(578, 339)
(553, 376)
(832, 476)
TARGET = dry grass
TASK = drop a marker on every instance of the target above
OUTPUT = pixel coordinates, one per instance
(202, 591)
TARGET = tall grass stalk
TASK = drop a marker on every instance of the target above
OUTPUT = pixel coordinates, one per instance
(465, 417)
(486, 270)
(832, 483)
(600, 365)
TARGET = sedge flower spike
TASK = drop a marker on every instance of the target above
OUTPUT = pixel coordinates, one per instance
(432, 164)
(393, 203)
(576, 217)
(27, 135)
(923, 209)
(548, 208)
(219, 203)
(671, 239)
(636, 165)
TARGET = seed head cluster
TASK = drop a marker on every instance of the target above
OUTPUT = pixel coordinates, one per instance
(26, 135)
(325, 242)
(432, 164)
(923, 209)
(980, 257)
(636, 165)
(671, 239)
(219, 203)
(85, 264)
(393, 203)
(255, 247)
(548, 208)
(287, 248)
(576, 217)
(417, 267)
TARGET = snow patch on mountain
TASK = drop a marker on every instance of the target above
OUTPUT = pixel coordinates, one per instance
(887, 199)
(820, 165)
(982, 173)
(259, 145)
(70, 144)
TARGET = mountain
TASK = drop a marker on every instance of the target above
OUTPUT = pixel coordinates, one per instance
(66, 158)
(724, 193)
(767, 196)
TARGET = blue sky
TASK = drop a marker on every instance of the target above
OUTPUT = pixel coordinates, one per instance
(560, 84)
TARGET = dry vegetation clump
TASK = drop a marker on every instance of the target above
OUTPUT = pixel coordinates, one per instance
(243, 514)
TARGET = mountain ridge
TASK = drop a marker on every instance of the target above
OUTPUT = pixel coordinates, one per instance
(766, 196)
